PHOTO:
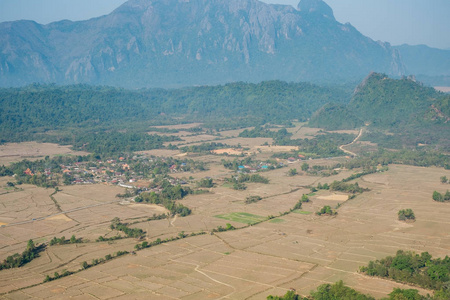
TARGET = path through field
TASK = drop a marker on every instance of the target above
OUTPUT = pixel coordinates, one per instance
(350, 152)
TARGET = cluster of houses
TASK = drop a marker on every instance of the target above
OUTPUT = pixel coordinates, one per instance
(258, 167)
(111, 171)
(114, 171)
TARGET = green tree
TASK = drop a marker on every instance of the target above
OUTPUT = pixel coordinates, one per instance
(305, 167)
(292, 172)
(447, 196)
(84, 265)
(444, 179)
(298, 205)
(30, 245)
(401, 294)
(437, 196)
(406, 214)
(326, 210)
(206, 183)
(290, 295)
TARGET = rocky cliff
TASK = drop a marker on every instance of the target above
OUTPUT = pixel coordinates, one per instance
(166, 43)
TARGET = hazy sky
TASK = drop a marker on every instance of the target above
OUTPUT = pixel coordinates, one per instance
(395, 21)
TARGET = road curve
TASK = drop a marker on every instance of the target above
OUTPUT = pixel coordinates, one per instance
(350, 152)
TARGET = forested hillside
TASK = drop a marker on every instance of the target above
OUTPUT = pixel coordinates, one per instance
(33, 110)
(333, 116)
(414, 113)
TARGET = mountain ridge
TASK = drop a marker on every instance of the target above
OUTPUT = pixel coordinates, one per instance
(171, 43)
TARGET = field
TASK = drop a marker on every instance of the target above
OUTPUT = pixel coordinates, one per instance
(241, 217)
(13, 152)
(444, 89)
(298, 250)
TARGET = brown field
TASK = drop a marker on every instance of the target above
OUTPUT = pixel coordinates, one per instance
(298, 250)
(13, 152)
(229, 151)
(302, 132)
(445, 89)
(180, 126)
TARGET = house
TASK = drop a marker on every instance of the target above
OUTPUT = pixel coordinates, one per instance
(28, 172)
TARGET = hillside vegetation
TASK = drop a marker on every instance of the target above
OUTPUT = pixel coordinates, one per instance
(415, 114)
(26, 113)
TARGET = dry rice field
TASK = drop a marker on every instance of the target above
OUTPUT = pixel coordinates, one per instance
(13, 152)
(298, 250)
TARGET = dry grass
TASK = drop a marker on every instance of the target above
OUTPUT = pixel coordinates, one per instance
(298, 251)
(13, 152)
(444, 89)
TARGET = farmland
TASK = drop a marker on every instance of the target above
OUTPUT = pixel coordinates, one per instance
(271, 250)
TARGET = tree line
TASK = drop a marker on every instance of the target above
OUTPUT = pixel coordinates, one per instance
(17, 260)
(409, 267)
(339, 291)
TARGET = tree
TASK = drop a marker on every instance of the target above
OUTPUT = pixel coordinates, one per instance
(292, 172)
(206, 183)
(437, 196)
(73, 239)
(305, 198)
(400, 294)
(30, 245)
(444, 179)
(305, 167)
(252, 199)
(298, 205)
(326, 210)
(229, 226)
(447, 196)
(84, 265)
(406, 214)
(290, 295)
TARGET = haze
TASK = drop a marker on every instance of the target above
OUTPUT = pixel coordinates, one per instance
(398, 22)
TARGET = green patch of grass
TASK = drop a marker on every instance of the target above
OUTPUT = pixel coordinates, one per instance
(312, 194)
(227, 253)
(241, 217)
(277, 221)
(302, 212)
(227, 185)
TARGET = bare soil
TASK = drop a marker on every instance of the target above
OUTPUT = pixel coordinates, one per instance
(300, 251)
(13, 152)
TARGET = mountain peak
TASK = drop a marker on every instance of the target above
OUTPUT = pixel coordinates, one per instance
(316, 6)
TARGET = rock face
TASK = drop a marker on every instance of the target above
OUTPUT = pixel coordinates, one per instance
(168, 43)
(316, 6)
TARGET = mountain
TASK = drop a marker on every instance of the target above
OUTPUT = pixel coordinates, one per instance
(169, 43)
(414, 113)
(334, 116)
(430, 65)
(390, 103)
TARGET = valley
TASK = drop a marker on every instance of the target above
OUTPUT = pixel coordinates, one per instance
(224, 149)
(283, 249)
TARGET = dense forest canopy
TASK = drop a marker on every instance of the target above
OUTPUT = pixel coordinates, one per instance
(416, 114)
(40, 108)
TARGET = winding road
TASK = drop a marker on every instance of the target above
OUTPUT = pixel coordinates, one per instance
(350, 152)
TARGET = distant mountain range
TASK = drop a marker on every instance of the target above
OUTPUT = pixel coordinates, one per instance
(170, 43)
